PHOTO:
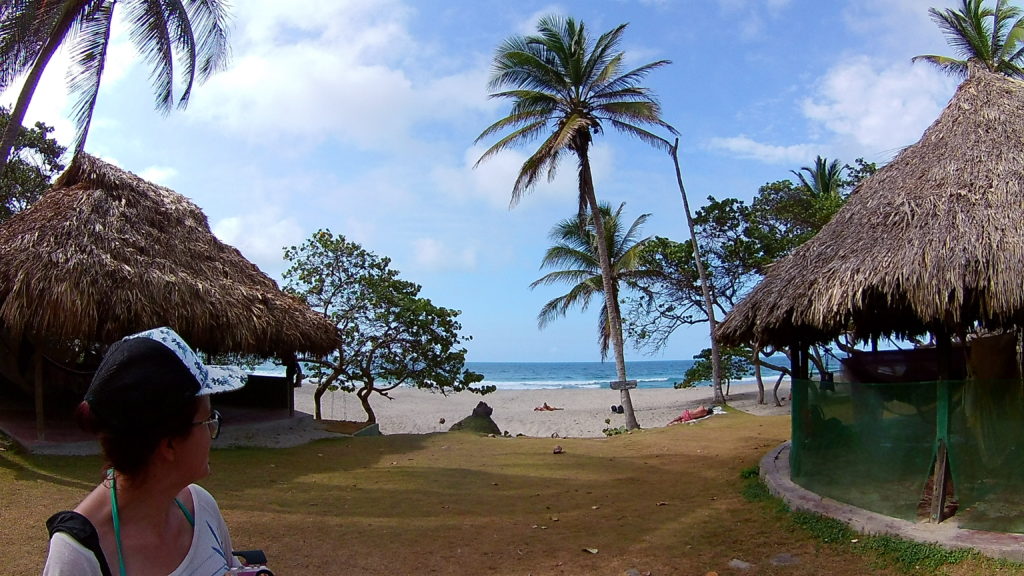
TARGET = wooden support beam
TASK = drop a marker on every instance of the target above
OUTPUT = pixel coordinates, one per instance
(37, 382)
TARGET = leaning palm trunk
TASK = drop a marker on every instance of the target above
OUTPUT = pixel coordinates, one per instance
(53, 42)
(716, 356)
(607, 280)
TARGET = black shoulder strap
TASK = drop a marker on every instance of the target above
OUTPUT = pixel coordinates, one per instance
(78, 527)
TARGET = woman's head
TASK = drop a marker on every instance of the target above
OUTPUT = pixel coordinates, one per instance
(148, 389)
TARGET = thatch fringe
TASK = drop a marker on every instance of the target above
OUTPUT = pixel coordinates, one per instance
(934, 241)
(105, 253)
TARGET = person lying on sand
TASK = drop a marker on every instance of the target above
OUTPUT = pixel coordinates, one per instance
(545, 408)
(691, 415)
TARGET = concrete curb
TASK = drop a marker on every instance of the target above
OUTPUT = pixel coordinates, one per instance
(775, 475)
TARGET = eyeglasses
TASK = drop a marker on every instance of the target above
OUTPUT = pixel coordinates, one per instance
(213, 423)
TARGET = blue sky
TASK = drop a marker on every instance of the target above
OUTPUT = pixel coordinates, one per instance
(360, 117)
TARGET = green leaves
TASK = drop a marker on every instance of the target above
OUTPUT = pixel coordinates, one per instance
(560, 81)
(575, 252)
(990, 36)
(387, 335)
(35, 161)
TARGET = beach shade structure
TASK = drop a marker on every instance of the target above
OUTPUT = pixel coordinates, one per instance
(933, 243)
(104, 254)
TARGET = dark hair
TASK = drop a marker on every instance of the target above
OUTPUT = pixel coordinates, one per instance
(129, 452)
(140, 395)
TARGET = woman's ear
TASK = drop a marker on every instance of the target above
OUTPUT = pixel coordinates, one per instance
(167, 449)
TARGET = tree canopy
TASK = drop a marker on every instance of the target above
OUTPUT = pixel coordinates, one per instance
(35, 162)
(574, 254)
(388, 336)
(993, 37)
(183, 39)
(738, 241)
(565, 87)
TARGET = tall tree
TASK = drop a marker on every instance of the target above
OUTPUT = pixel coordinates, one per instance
(575, 256)
(189, 34)
(738, 242)
(993, 37)
(35, 161)
(564, 87)
(705, 284)
(388, 336)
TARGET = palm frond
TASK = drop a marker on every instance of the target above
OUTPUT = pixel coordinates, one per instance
(570, 277)
(949, 66)
(525, 134)
(182, 37)
(24, 27)
(645, 136)
(577, 297)
(152, 39)
(210, 21)
(88, 57)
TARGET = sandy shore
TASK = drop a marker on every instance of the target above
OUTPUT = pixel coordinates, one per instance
(411, 411)
(583, 411)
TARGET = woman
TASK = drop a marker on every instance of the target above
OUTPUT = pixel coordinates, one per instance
(149, 405)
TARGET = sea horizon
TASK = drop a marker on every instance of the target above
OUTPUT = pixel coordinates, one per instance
(549, 375)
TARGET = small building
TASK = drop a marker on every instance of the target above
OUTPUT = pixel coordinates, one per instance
(931, 247)
(104, 254)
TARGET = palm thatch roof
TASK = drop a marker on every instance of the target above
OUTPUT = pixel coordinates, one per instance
(933, 242)
(105, 253)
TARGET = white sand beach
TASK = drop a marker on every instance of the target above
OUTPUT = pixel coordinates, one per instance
(583, 411)
(582, 414)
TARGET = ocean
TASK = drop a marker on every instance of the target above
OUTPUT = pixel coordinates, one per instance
(552, 375)
(570, 375)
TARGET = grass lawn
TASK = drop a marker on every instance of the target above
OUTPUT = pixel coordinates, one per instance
(664, 501)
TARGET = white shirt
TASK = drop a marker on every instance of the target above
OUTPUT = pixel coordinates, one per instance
(209, 554)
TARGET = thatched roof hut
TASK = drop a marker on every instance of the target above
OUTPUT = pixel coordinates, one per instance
(933, 242)
(105, 253)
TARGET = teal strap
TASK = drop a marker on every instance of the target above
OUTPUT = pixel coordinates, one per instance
(188, 515)
(117, 521)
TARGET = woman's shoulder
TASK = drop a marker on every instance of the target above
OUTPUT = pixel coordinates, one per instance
(203, 500)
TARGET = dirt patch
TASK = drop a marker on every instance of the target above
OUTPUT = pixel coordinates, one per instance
(665, 501)
(346, 427)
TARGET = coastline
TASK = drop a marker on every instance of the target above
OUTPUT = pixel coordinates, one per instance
(582, 415)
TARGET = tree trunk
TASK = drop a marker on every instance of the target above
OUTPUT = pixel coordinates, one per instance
(317, 395)
(756, 360)
(322, 388)
(56, 37)
(716, 355)
(775, 391)
(586, 183)
(364, 398)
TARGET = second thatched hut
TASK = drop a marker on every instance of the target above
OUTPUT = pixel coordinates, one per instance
(932, 245)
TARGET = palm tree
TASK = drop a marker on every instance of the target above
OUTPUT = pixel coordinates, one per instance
(563, 84)
(575, 250)
(191, 34)
(705, 284)
(823, 184)
(997, 45)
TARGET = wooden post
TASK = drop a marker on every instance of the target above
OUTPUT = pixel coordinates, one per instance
(798, 405)
(622, 384)
(941, 474)
(39, 397)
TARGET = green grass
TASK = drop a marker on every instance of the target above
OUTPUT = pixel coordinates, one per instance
(904, 556)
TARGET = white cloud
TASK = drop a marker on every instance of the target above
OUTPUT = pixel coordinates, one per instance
(162, 175)
(260, 236)
(493, 179)
(877, 110)
(746, 147)
(434, 255)
(347, 70)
